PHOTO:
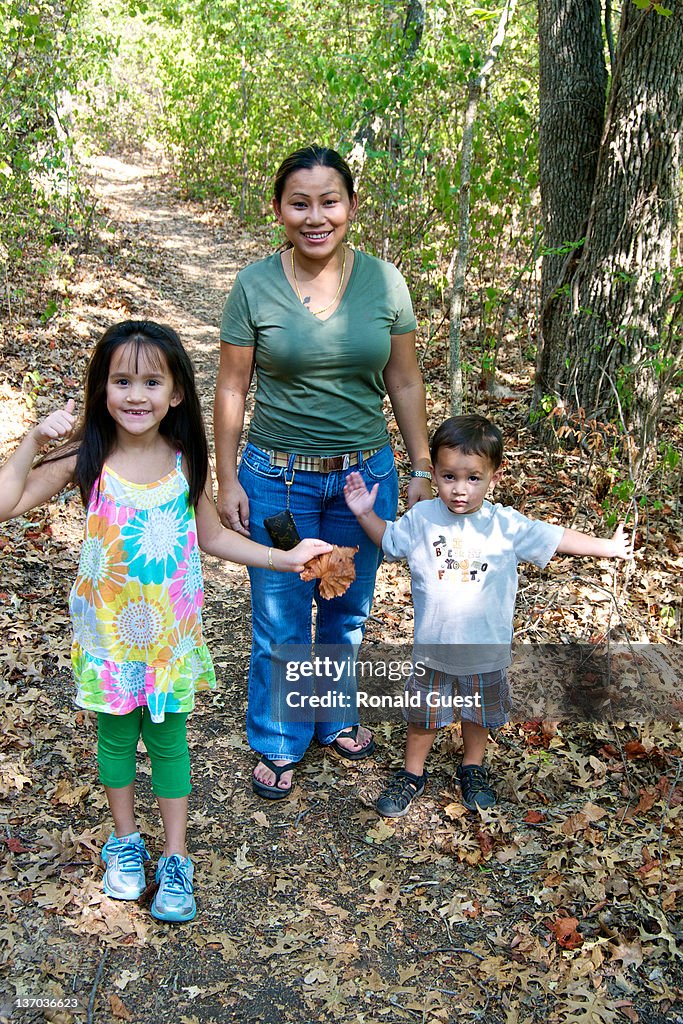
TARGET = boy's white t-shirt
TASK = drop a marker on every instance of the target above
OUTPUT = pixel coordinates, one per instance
(464, 579)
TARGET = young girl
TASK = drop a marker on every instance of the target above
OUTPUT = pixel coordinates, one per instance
(140, 461)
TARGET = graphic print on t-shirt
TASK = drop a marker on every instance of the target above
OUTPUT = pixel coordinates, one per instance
(456, 562)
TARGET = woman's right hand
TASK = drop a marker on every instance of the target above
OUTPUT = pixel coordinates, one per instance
(233, 507)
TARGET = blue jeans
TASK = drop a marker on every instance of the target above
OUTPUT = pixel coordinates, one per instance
(281, 603)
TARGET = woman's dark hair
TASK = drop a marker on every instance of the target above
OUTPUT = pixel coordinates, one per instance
(307, 158)
(472, 435)
(183, 424)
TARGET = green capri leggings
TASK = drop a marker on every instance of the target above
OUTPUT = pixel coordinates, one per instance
(166, 743)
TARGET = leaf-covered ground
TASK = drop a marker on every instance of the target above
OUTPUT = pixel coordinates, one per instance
(563, 905)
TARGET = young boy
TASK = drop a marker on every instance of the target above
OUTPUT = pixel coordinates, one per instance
(463, 554)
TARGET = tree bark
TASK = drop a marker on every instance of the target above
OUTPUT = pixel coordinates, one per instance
(607, 335)
(572, 96)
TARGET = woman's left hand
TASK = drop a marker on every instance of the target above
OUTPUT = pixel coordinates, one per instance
(419, 489)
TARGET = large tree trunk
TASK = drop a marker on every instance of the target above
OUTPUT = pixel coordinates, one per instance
(572, 96)
(606, 333)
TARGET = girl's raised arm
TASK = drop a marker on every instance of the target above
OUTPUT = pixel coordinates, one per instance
(22, 486)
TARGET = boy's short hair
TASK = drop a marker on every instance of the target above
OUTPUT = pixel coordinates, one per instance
(473, 435)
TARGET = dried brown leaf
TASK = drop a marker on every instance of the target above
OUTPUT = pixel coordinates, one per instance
(335, 570)
(118, 1008)
(565, 930)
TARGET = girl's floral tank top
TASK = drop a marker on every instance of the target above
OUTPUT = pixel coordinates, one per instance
(136, 603)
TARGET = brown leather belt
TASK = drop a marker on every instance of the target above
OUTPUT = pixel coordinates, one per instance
(320, 463)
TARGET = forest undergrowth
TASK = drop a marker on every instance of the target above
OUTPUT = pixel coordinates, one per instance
(561, 905)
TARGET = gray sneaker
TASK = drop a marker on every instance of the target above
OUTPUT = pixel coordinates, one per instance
(174, 900)
(124, 858)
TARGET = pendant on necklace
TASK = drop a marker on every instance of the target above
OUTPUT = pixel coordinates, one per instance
(306, 301)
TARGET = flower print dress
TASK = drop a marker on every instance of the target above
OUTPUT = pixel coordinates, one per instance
(136, 604)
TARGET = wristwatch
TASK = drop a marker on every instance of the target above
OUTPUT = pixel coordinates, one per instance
(422, 474)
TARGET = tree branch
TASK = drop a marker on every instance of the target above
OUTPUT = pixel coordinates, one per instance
(476, 87)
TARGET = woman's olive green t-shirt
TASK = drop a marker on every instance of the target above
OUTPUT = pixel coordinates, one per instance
(319, 383)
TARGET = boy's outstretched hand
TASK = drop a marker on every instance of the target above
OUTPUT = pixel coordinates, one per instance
(295, 559)
(574, 542)
(621, 544)
(358, 498)
(57, 426)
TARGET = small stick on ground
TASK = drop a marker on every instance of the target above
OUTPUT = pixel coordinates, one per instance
(93, 991)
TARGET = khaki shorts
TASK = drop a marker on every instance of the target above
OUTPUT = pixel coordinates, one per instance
(437, 699)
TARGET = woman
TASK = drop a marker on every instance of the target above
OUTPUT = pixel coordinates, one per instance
(329, 330)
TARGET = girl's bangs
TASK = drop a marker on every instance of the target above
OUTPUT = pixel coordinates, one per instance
(144, 352)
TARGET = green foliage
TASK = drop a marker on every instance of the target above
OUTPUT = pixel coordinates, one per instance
(42, 55)
(620, 495)
(648, 5)
(231, 88)
(546, 407)
(32, 385)
(227, 89)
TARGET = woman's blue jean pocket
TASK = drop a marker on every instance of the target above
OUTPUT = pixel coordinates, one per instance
(379, 466)
(257, 462)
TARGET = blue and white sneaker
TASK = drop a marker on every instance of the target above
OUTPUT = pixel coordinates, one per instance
(124, 857)
(174, 900)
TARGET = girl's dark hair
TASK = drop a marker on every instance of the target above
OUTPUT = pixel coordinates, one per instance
(183, 424)
(307, 158)
(473, 435)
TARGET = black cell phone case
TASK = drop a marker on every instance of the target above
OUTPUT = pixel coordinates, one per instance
(282, 530)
